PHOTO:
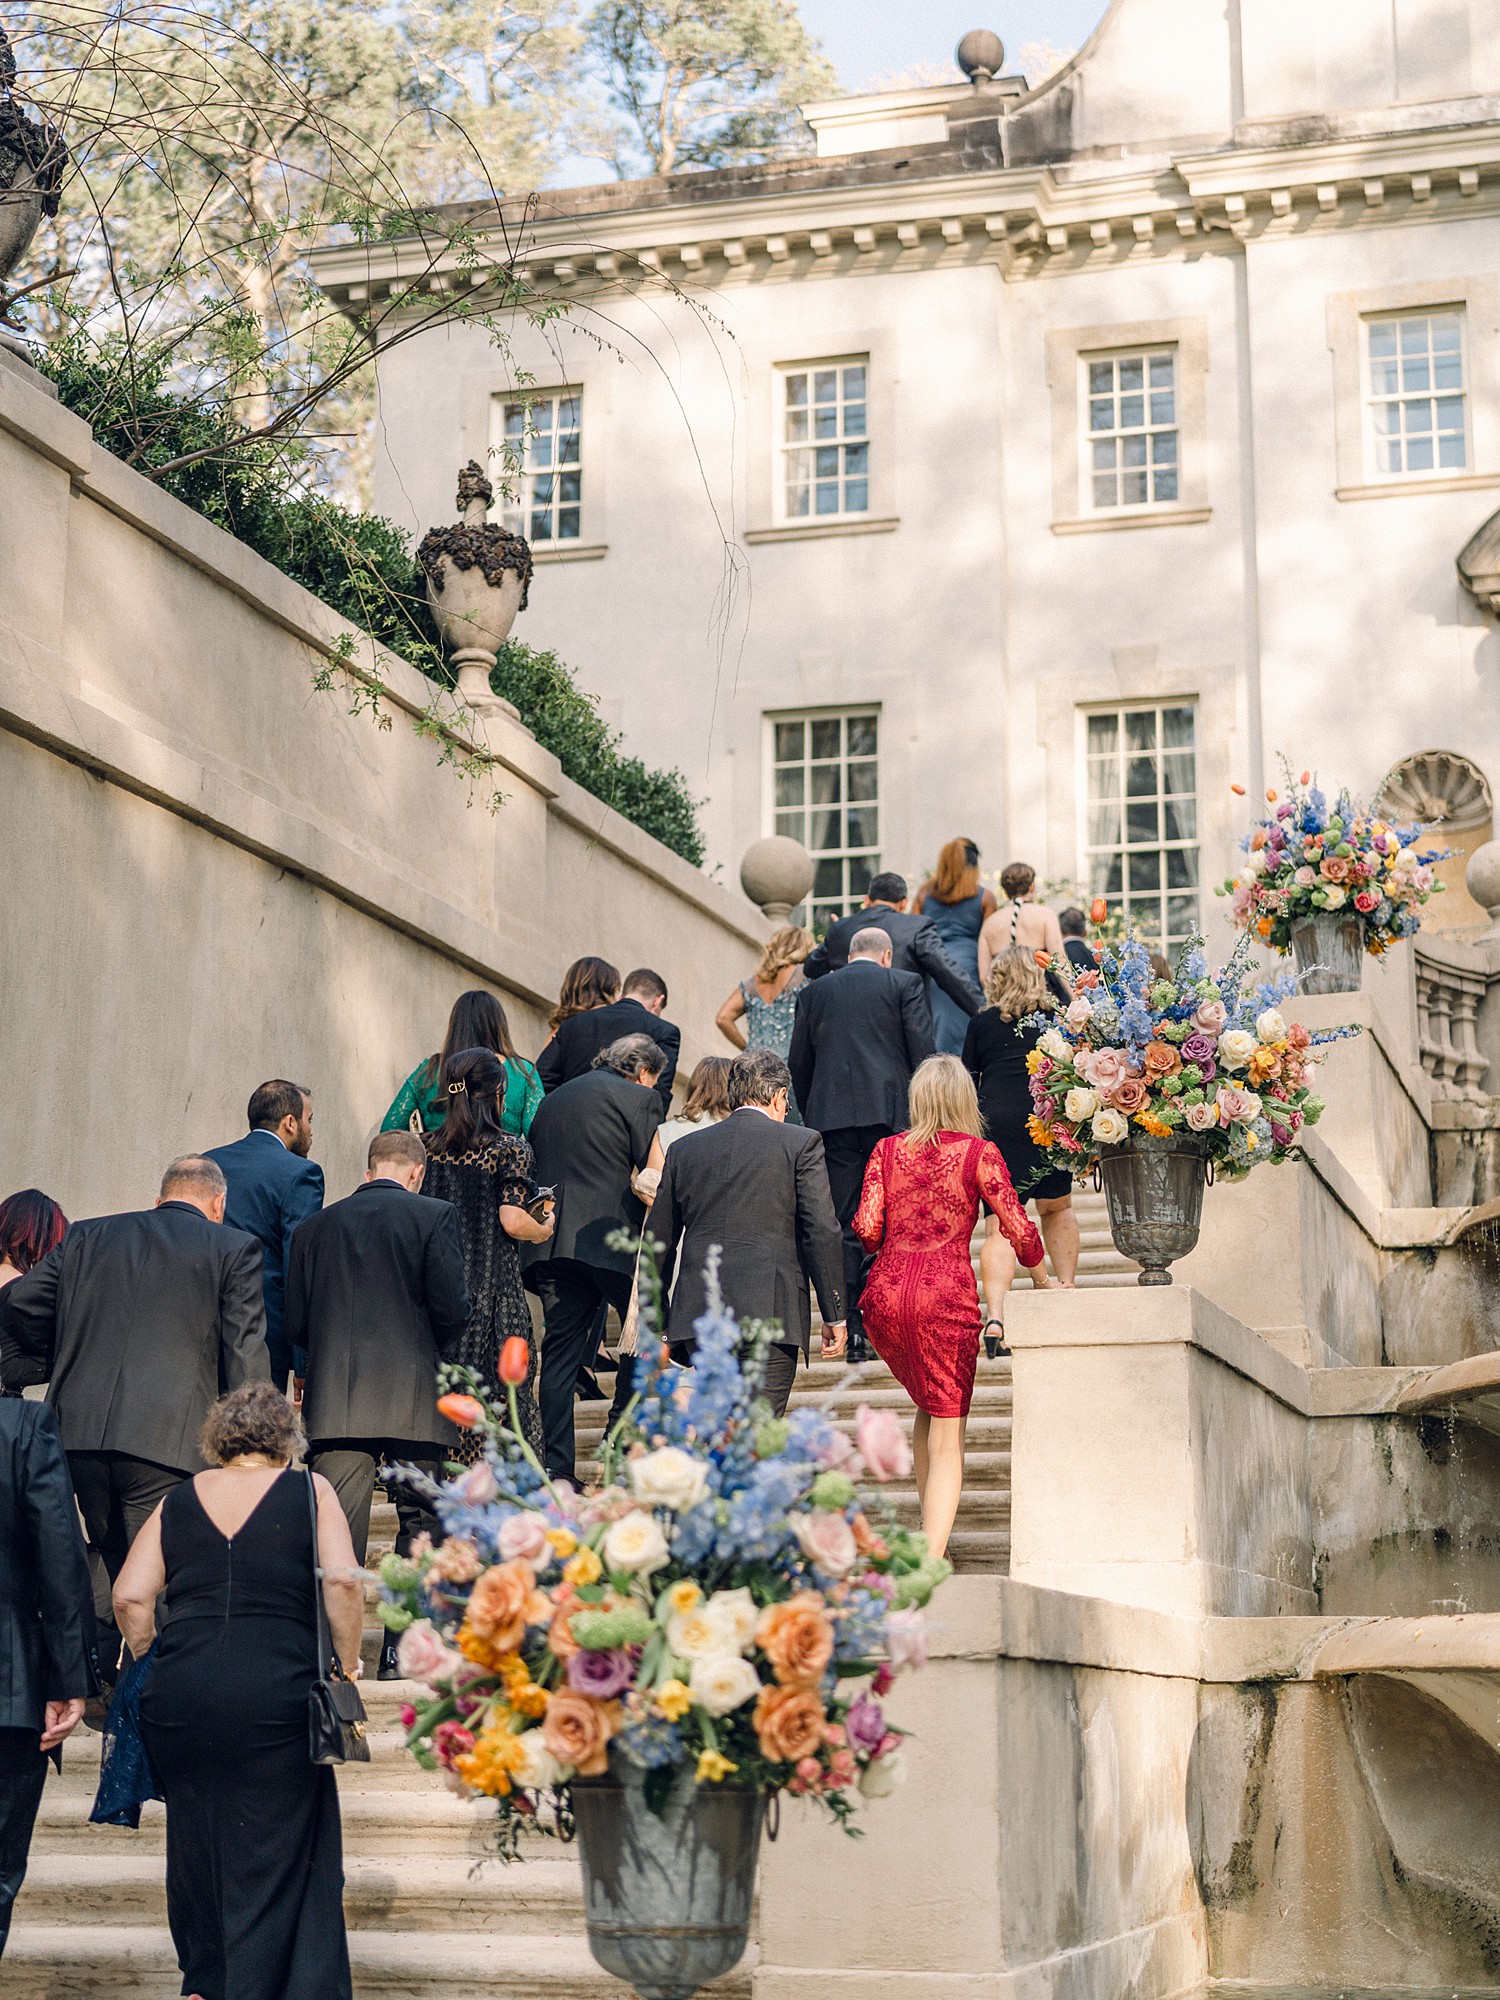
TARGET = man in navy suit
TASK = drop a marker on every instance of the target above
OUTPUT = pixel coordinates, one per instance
(273, 1186)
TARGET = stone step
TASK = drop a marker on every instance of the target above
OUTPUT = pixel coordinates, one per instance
(379, 1819)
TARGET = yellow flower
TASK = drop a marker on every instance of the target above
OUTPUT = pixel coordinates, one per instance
(583, 1568)
(563, 1540)
(528, 1699)
(1152, 1125)
(673, 1701)
(488, 1767)
(683, 1596)
(1041, 1134)
(1034, 1062)
(714, 1767)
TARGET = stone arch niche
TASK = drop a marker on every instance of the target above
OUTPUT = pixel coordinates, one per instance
(1453, 794)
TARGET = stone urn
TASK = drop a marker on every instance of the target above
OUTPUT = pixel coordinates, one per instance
(667, 1896)
(1482, 880)
(1154, 1189)
(32, 162)
(776, 873)
(1333, 942)
(478, 576)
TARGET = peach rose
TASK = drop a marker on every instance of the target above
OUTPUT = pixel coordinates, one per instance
(1161, 1060)
(1334, 869)
(577, 1730)
(504, 1602)
(797, 1638)
(559, 1637)
(789, 1723)
(1130, 1096)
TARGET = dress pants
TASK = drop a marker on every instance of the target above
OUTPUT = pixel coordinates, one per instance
(350, 1464)
(781, 1371)
(22, 1770)
(847, 1150)
(571, 1294)
(116, 1496)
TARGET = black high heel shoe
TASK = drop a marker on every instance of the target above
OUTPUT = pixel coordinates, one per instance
(995, 1347)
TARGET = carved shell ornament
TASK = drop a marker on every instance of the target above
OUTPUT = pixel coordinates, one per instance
(1436, 788)
(475, 543)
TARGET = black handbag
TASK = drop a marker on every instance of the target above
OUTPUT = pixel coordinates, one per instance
(336, 1720)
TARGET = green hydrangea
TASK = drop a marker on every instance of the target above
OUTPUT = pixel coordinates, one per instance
(396, 1573)
(916, 1586)
(394, 1617)
(1313, 1108)
(772, 1437)
(833, 1490)
(624, 1625)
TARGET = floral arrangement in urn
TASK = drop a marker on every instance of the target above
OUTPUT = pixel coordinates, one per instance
(1307, 859)
(724, 1602)
(1200, 1054)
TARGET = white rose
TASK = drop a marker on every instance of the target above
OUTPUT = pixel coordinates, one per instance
(1109, 1126)
(1236, 1047)
(1254, 868)
(669, 1478)
(723, 1681)
(635, 1545)
(695, 1634)
(536, 1768)
(880, 1779)
(1079, 1013)
(1270, 1026)
(735, 1613)
(1334, 896)
(1055, 1045)
(1079, 1105)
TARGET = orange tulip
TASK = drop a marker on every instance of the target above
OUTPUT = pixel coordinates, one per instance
(515, 1360)
(1270, 798)
(463, 1410)
(1099, 910)
(1043, 959)
(1238, 790)
(1306, 777)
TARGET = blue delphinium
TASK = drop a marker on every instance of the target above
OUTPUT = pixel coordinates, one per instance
(652, 1741)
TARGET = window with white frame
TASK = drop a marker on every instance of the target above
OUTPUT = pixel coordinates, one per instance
(825, 439)
(1130, 416)
(542, 465)
(1414, 392)
(826, 793)
(1141, 832)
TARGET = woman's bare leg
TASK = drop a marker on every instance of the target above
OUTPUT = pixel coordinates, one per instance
(1058, 1221)
(997, 1267)
(919, 1451)
(944, 1482)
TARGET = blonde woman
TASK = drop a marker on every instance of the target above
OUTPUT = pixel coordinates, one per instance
(761, 1011)
(995, 1052)
(922, 1195)
(1021, 922)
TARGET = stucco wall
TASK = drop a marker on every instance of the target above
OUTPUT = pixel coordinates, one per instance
(214, 873)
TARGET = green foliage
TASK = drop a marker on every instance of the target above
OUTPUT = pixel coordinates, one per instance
(359, 564)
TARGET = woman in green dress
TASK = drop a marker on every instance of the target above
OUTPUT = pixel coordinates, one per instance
(477, 1022)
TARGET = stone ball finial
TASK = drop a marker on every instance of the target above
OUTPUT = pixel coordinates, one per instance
(980, 55)
(776, 873)
(1482, 880)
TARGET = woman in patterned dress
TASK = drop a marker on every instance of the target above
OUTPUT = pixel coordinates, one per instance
(922, 1195)
(485, 1172)
(762, 1011)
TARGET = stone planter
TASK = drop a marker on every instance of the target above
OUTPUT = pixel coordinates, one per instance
(1154, 1188)
(1334, 941)
(32, 162)
(667, 1899)
(478, 576)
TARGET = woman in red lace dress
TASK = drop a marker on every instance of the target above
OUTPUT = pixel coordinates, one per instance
(921, 1199)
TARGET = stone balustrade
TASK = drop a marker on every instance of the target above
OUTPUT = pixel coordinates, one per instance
(1454, 983)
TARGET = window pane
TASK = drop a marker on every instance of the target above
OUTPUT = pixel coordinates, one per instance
(854, 383)
(1104, 732)
(827, 784)
(1182, 868)
(1104, 825)
(826, 386)
(862, 872)
(1140, 729)
(789, 783)
(1101, 378)
(828, 878)
(1145, 871)
(861, 783)
(1180, 819)
(1177, 728)
(826, 733)
(796, 391)
(1382, 337)
(827, 831)
(567, 524)
(789, 740)
(1141, 824)
(1132, 374)
(862, 732)
(863, 826)
(793, 825)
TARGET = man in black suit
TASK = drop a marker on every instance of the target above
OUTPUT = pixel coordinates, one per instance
(1074, 927)
(273, 1186)
(588, 1137)
(638, 1011)
(140, 1323)
(758, 1188)
(47, 1665)
(915, 944)
(859, 1034)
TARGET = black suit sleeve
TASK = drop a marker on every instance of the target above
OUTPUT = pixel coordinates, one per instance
(817, 961)
(970, 1057)
(296, 1306)
(242, 1318)
(916, 1021)
(669, 1040)
(818, 1238)
(927, 949)
(443, 1274)
(664, 1226)
(800, 1058)
(549, 1064)
(64, 1595)
(28, 1323)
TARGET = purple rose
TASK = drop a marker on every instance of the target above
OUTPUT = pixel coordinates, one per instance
(865, 1723)
(602, 1675)
(1198, 1049)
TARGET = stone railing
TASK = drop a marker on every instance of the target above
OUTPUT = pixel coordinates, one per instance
(1454, 983)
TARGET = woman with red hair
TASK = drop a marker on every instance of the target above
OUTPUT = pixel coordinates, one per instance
(31, 1224)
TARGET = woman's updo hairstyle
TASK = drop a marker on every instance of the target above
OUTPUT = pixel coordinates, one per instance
(254, 1417)
(1017, 880)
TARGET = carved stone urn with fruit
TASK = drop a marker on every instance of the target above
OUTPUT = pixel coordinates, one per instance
(478, 575)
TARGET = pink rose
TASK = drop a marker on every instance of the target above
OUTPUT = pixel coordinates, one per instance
(1237, 1105)
(1239, 902)
(1201, 1117)
(836, 1451)
(906, 1639)
(1365, 901)
(1209, 1016)
(882, 1443)
(1106, 1068)
(1079, 1014)
(478, 1485)
(1305, 877)
(827, 1540)
(423, 1656)
(523, 1538)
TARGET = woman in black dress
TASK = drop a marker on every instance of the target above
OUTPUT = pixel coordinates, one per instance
(995, 1051)
(485, 1172)
(255, 1866)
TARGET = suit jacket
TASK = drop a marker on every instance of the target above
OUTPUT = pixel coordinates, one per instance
(271, 1191)
(572, 1049)
(759, 1190)
(859, 1035)
(140, 1323)
(915, 947)
(586, 1137)
(1079, 955)
(375, 1295)
(46, 1603)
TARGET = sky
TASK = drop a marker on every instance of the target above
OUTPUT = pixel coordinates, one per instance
(867, 40)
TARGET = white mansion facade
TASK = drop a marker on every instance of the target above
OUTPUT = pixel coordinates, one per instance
(1034, 466)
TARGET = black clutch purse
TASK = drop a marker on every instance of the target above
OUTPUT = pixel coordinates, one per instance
(336, 1720)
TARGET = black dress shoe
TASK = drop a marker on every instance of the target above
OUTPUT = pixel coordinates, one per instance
(587, 1390)
(390, 1667)
(859, 1348)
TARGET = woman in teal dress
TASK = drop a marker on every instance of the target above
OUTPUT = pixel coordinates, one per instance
(761, 1011)
(477, 1022)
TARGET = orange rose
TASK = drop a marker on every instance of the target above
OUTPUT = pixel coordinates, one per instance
(797, 1638)
(504, 1602)
(1129, 1096)
(1334, 869)
(1162, 1059)
(866, 1540)
(577, 1730)
(789, 1722)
